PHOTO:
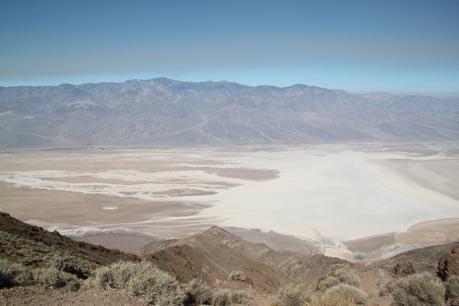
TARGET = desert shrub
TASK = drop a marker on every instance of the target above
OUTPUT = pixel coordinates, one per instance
(315, 299)
(238, 276)
(7, 275)
(31, 261)
(103, 278)
(290, 296)
(12, 274)
(239, 297)
(67, 264)
(156, 286)
(384, 285)
(54, 278)
(385, 281)
(141, 279)
(452, 290)
(197, 292)
(221, 297)
(343, 294)
(326, 283)
(346, 276)
(117, 275)
(418, 290)
(335, 267)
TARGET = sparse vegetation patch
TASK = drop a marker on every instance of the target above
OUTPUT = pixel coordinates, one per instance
(418, 290)
(343, 294)
(452, 290)
(290, 296)
(141, 279)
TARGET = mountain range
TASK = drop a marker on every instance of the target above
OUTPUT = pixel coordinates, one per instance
(165, 112)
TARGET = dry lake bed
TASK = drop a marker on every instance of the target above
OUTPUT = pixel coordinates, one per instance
(339, 192)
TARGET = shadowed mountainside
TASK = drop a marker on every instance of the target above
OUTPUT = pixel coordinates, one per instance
(168, 112)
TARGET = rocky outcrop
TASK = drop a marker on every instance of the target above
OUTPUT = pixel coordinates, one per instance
(404, 268)
(448, 265)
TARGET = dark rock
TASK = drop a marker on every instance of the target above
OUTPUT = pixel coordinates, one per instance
(404, 268)
(448, 265)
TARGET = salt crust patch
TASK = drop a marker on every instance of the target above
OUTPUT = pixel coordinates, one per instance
(333, 191)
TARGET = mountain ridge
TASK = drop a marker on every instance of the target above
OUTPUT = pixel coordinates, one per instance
(166, 112)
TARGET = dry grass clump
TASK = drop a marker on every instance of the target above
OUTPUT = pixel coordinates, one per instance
(225, 297)
(418, 290)
(54, 278)
(335, 267)
(33, 253)
(141, 279)
(198, 292)
(12, 274)
(240, 297)
(452, 290)
(237, 276)
(290, 296)
(347, 276)
(69, 264)
(115, 276)
(343, 294)
(326, 283)
(338, 274)
(339, 287)
(221, 297)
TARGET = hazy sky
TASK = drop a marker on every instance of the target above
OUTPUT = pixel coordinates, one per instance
(398, 46)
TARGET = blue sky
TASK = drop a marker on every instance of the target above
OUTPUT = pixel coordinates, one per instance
(404, 46)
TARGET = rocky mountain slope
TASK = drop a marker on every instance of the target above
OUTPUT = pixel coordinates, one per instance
(424, 234)
(211, 256)
(423, 259)
(168, 112)
(33, 246)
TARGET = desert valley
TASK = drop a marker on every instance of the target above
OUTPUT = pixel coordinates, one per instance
(303, 191)
(262, 153)
(210, 194)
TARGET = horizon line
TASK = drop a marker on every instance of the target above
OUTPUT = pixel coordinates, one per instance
(450, 94)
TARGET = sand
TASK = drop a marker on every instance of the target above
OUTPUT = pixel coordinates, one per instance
(340, 192)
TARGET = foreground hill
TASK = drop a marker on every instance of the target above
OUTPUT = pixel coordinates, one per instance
(34, 246)
(213, 254)
(216, 257)
(168, 112)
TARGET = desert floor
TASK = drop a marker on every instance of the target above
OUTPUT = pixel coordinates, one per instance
(335, 191)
